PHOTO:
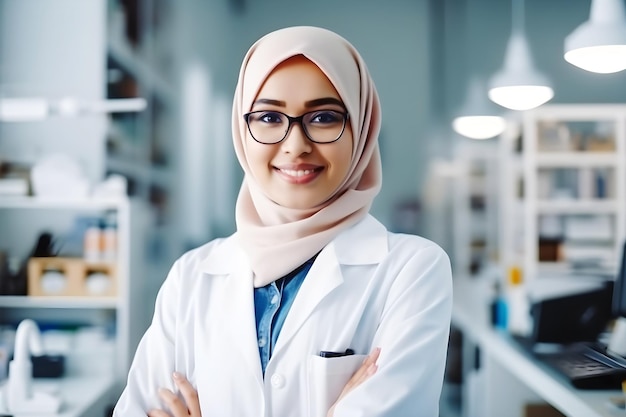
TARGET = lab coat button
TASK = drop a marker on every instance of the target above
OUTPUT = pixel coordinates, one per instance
(278, 381)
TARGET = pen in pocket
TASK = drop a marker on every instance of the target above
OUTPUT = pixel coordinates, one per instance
(328, 354)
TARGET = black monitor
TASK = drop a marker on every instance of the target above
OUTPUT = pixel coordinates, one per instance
(618, 307)
(578, 317)
(581, 316)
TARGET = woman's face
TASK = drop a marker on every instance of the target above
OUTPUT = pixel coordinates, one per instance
(298, 173)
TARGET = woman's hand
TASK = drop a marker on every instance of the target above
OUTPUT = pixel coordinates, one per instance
(179, 408)
(367, 369)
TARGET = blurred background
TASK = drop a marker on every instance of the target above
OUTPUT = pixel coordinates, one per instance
(107, 98)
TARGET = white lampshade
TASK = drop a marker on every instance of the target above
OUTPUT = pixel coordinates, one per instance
(599, 44)
(478, 118)
(519, 86)
(479, 127)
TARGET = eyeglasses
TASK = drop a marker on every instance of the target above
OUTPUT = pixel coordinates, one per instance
(320, 126)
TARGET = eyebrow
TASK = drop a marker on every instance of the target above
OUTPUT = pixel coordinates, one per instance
(311, 103)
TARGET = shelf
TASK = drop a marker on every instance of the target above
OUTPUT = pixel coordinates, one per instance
(33, 202)
(119, 132)
(576, 206)
(575, 190)
(568, 268)
(142, 172)
(578, 113)
(23, 301)
(575, 159)
(132, 62)
(27, 109)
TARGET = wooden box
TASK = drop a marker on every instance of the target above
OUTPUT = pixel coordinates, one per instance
(81, 278)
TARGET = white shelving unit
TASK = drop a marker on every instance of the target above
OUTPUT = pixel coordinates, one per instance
(475, 204)
(511, 205)
(142, 146)
(574, 178)
(32, 216)
(72, 60)
(120, 51)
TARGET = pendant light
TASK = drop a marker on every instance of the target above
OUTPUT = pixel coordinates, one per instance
(478, 118)
(599, 44)
(518, 85)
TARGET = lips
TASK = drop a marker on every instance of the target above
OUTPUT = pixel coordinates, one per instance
(300, 174)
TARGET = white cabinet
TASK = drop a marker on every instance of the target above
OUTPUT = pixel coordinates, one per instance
(574, 182)
(22, 220)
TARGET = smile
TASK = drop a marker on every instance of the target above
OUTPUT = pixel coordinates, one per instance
(299, 176)
(298, 173)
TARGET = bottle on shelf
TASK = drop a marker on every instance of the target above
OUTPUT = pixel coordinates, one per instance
(109, 237)
(499, 309)
(92, 241)
(517, 303)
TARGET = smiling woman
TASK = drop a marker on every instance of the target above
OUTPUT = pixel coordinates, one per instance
(312, 308)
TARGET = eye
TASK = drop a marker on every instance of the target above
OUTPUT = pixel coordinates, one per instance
(268, 117)
(325, 117)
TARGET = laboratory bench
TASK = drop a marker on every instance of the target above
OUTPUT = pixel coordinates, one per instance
(500, 377)
(82, 396)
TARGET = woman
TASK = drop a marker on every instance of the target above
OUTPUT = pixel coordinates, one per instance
(278, 319)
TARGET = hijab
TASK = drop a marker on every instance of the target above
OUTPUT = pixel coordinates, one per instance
(278, 239)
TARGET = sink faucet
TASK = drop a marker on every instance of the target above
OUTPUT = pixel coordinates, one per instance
(19, 395)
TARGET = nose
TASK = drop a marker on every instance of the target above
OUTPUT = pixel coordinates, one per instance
(296, 141)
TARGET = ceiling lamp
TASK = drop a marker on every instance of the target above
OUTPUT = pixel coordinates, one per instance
(599, 44)
(478, 119)
(518, 85)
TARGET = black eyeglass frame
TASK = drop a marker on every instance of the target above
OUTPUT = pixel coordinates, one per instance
(298, 119)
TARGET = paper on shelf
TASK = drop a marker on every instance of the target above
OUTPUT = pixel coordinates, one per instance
(59, 176)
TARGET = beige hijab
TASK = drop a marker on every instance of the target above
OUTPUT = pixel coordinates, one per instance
(278, 239)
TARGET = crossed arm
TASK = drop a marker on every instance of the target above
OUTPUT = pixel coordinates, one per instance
(189, 405)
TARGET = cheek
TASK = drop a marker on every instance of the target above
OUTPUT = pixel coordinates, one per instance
(258, 156)
(340, 159)
(345, 155)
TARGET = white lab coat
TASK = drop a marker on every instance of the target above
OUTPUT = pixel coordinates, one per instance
(367, 288)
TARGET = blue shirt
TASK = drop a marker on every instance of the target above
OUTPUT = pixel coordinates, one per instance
(271, 305)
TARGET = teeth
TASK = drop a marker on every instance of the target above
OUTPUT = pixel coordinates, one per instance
(297, 173)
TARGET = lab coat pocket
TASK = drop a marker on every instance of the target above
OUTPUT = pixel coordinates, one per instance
(327, 377)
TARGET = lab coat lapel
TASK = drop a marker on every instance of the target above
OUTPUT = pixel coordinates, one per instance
(323, 277)
(364, 243)
(239, 319)
(239, 326)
